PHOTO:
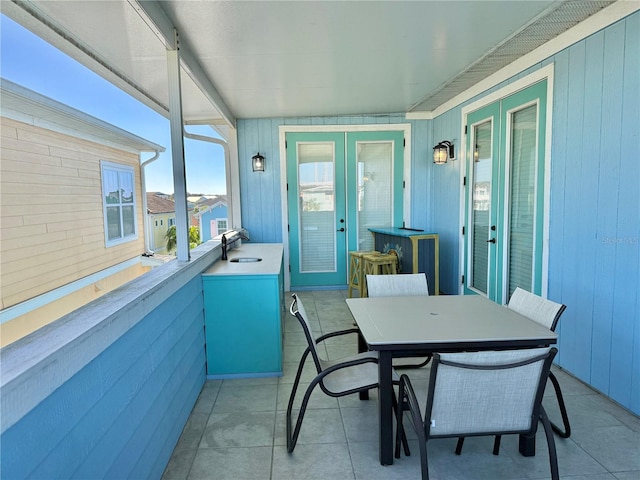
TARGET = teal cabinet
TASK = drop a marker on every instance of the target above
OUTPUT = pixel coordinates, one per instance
(243, 306)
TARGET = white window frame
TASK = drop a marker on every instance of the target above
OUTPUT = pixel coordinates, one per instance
(120, 168)
(218, 230)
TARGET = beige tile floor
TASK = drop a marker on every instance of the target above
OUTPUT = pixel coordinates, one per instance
(236, 430)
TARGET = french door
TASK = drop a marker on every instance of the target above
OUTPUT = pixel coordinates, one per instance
(504, 195)
(339, 184)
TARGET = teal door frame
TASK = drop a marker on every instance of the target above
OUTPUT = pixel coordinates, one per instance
(405, 211)
(325, 274)
(536, 88)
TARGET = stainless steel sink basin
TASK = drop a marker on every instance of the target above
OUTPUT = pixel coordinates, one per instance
(245, 259)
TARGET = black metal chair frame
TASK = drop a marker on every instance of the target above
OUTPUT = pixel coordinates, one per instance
(566, 433)
(408, 401)
(565, 430)
(292, 436)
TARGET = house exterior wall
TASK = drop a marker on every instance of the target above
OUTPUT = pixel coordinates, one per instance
(31, 321)
(158, 232)
(52, 214)
(217, 213)
(594, 260)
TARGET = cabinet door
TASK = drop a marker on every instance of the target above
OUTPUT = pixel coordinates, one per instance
(243, 325)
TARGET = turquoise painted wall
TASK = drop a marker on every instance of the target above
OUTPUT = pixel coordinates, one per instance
(122, 414)
(595, 202)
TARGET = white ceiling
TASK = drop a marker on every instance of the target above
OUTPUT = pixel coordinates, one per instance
(255, 59)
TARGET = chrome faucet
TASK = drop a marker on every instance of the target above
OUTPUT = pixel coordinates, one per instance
(235, 235)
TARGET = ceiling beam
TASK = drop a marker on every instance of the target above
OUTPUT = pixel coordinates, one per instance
(154, 15)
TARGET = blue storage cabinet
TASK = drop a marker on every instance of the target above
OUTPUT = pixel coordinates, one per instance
(243, 318)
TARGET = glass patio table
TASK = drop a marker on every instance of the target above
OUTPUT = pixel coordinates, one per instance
(413, 326)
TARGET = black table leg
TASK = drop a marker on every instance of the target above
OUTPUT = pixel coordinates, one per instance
(527, 445)
(385, 406)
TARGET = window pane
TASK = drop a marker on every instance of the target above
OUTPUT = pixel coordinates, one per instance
(126, 187)
(523, 177)
(128, 221)
(482, 170)
(317, 209)
(110, 188)
(113, 223)
(375, 177)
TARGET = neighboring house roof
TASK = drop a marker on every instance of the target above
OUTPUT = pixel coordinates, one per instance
(26, 106)
(162, 195)
(157, 204)
(205, 199)
(213, 200)
(211, 204)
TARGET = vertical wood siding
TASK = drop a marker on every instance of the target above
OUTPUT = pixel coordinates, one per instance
(122, 414)
(594, 260)
(52, 229)
(260, 192)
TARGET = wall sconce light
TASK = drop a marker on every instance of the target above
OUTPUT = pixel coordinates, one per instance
(476, 154)
(442, 152)
(257, 161)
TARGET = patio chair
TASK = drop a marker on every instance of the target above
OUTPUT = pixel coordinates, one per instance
(336, 378)
(546, 313)
(480, 393)
(403, 284)
(406, 284)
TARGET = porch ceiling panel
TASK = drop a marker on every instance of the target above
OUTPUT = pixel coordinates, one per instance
(256, 59)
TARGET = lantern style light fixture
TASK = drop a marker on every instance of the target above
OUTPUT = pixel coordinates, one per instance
(442, 152)
(257, 161)
(476, 153)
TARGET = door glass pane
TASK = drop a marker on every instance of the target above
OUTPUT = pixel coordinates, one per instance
(481, 204)
(522, 197)
(316, 173)
(375, 189)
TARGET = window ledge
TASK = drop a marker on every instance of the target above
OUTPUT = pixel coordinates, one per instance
(36, 365)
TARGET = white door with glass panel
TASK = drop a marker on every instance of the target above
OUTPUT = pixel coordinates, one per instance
(338, 186)
(504, 195)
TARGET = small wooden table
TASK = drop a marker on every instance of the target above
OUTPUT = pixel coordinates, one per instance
(413, 326)
(414, 236)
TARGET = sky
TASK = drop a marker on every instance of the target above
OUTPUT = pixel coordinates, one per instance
(29, 61)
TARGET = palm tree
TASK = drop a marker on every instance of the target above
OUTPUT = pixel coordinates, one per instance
(194, 237)
(171, 238)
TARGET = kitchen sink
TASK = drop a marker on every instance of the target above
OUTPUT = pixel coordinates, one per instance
(245, 259)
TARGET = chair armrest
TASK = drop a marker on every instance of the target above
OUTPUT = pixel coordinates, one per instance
(336, 334)
(350, 363)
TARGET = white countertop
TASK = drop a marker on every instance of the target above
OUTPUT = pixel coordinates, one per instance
(270, 253)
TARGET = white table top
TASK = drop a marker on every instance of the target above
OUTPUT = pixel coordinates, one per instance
(439, 322)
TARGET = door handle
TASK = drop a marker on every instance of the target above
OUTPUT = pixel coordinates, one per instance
(341, 230)
(493, 240)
